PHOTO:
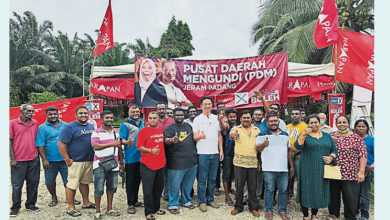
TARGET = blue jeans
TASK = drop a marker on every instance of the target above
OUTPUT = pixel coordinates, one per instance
(52, 172)
(181, 180)
(100, 176)
(271, 179)
(208, 165)
(364, 195)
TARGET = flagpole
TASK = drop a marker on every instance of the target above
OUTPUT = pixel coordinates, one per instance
(90, 95)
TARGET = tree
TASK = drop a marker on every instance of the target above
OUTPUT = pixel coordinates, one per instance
(286, 25)
(118, 55)
(141, 48)
(35, 98)
(175, 41)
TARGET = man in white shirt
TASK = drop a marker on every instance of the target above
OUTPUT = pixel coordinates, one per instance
(207, 133)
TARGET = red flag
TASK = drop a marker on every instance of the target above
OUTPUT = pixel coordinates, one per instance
(326, 30)
(105, 39)
(355, 59)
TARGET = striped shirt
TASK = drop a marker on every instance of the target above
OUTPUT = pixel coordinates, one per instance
(101, 136)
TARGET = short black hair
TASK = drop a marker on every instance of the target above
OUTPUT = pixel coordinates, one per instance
(133, 106)
(220, 103)
(246, 111)
(302, 110)
(204, 98)
(160, 103)
(340, 116)
(274, 103)
(271, 115)
(106, 112)
(364, 121)
(51, 108)
(178, 109)
(258, 109)
(192, 107)
(296, 109)
(231, 111)
(307, 119)
(80, 107)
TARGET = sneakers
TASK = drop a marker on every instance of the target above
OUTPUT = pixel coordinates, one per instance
(13, 213)
(255, 213)
(214, 205)
(33, 208)
(268, 216)
(202, 207)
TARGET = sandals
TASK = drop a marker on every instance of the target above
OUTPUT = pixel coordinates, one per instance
(229, 202)
(91, 206)
(138, 204)
(160, 212)
(131, 210)
(112, 213)
(76, 202)
(53, 203)
(150, 217)
(73, 213)
(331, 217)
(97, 216)
(174, 211)
(314, 217)
(189, 206)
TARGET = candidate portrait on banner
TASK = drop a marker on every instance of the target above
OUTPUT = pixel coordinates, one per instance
(147, 90)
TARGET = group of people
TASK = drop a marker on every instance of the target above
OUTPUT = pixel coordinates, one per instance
(257, 150)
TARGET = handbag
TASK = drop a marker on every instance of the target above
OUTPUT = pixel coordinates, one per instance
(332, 172)
(109, 163)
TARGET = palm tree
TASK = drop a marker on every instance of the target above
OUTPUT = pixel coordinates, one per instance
(141, 48)
(118, 55)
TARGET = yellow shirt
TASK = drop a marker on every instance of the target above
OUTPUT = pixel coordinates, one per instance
(245, 154)
(294, 132)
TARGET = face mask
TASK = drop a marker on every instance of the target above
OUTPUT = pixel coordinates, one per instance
(343, 132)
(322, 122)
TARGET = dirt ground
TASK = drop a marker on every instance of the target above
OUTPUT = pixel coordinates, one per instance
(120, 204)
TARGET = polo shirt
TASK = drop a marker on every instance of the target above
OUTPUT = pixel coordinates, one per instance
(101, 136)
(23, 137)
(132, 155)
(274, 157)
(294, 131)
(369, 141)
(78, 141)
(164, 123)
(210, 126)
(47, 137)
(245, 154)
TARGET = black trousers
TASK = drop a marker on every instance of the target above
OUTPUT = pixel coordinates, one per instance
(29, 171)
(218, 179)
(350, 191)
(305, 211)
(152, 186)
(133, 180)
(248, 176)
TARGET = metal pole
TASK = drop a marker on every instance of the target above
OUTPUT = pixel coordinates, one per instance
(83, 77)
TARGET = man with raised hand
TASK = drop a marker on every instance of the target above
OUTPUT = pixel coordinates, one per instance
(105, 142)
(274, 145)
(245, 163)
(75, 147)
(128, 134)
(150, 143)
(24, 159)
(294, 130)
(207, 133)
(181, 161)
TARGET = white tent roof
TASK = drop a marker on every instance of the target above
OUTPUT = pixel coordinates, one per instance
(294, 69)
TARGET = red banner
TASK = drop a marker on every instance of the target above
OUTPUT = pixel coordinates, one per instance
(66, 109)
(118, 88)
(355, 59)
(309, 85)
(105, 39)
(185, 82)
(336, 107)
(325, 31)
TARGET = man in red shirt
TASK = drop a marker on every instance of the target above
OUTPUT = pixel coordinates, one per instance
(24, 159)
(150, 143)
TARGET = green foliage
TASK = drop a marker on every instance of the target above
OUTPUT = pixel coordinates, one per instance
(14, 96)
(141, 48)
(35, 98)
(175, 41)
(118, 55)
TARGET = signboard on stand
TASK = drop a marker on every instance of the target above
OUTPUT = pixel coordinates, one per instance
(95, 107)
(336, 107)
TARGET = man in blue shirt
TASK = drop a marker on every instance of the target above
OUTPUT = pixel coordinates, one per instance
(53, 163)
(75, 147)
(128, 134)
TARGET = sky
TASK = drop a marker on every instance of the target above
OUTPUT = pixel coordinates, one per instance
(220, 28)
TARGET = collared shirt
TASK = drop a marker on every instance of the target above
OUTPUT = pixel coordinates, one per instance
(132, 155)
(274, 157)
(327, 129)
(101, 136)
(188, 121)
(174, 94)
(210, 126)
(23, 137)
(47, 137)
(165, 122)
(245, 154)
